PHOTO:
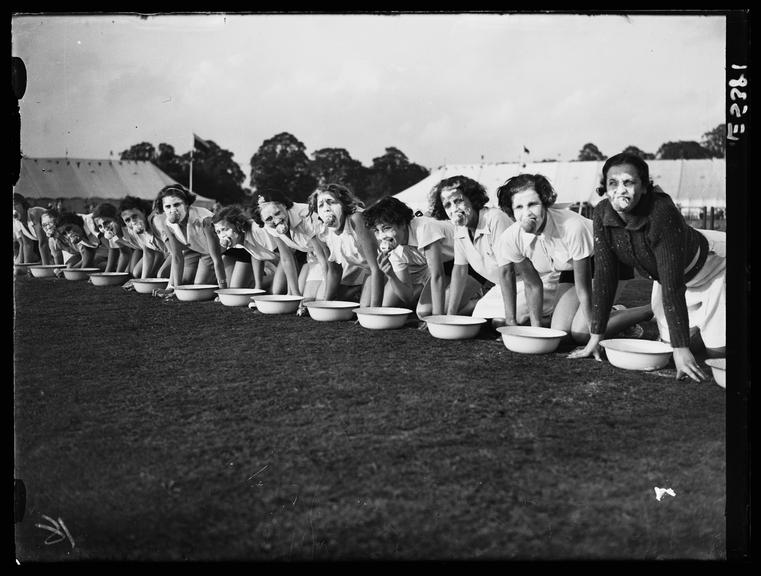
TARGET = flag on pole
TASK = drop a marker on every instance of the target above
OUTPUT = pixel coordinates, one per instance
(200, 143)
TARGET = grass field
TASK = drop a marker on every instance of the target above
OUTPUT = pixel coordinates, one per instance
(193, 431)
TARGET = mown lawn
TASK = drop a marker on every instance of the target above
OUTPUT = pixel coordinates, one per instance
(193, 431)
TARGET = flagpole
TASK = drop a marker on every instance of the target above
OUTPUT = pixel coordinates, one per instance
(190, 184)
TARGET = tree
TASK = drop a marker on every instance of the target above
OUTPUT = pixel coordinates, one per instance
(590, 152)
(337, 165)
(392, 173)
(683, 149)
(715, 141)
(176, 167)
(144, 152)
(281, 163)
(637, 152)
(216, 175)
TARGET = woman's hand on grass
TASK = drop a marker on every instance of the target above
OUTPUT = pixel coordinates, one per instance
(687, 366)
(164, 293)
(591, 349)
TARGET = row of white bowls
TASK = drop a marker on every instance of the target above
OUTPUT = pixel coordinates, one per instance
(95, 275)
(626, 353)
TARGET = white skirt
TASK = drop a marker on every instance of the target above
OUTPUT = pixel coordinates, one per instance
(705, 296)
(492, 306)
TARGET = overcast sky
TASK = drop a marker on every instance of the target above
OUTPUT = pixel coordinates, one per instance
(443, 88)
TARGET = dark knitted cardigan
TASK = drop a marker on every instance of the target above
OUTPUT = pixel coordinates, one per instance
(659, 244)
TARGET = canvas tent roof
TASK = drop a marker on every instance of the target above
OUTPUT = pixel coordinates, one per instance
(88, 178)
(691, 183)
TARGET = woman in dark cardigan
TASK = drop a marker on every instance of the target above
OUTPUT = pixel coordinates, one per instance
(638, 225)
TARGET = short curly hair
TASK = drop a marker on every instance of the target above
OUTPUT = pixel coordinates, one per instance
(521, 183)
(67, 219)
(643, 170)
(341, 193)
(236, 216)
(472, 190)
(51, 213)
(267, 195)
(105, 210)
(388, 210)
(135, 203)
(173, 190)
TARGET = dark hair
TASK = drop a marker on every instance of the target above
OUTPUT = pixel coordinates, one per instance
(341, 193)
(643, 171)
(173, 190)
(388, 210)
(21, 200)
(472, 190)
(135, 203)
(105, 210)
(51, 213)
(520, 183)
(66, 219)
(267, 195)
(235, 215)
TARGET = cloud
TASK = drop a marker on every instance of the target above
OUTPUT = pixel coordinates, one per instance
(437, 86)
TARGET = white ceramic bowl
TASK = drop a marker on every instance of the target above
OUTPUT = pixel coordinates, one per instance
(382, 318)
(148, 285)
(453, 327)
(79, 273)
(45, 270)
(195, 292)
(237, 296)
(719, 369)
(531, 339)
(108, 278)
(633, 354)
(331, 310)
(277, 303)
(21, 268)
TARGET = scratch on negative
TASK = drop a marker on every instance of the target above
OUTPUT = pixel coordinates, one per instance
(259, 472)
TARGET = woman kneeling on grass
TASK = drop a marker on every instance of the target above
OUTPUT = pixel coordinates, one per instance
(353, 273)
(303, 256)
(412, 253)
(27, 229)
(82, 234)
(145, 229)
(552, 250)
(638, 225)
(193, 244)
(477, 228)
(61, 250)
(123, 253)
(235, 229)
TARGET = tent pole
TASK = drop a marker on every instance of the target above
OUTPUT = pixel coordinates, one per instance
(190, 183)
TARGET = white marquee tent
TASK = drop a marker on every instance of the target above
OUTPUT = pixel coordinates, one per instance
(80, 179)
(693, 184)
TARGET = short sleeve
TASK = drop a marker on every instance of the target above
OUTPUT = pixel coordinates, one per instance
(429, 231)
(578, 238)
(507, 249)
(498, 223)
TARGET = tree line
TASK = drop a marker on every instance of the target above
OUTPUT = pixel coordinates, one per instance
(712, 145)
(282, 163)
